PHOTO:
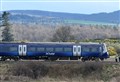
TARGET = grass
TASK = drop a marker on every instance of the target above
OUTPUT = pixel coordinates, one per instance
(36, 71)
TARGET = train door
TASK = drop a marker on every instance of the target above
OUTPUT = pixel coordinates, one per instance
(76, 50)
(22, 50)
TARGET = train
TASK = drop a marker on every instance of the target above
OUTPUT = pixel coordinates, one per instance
(53, 51)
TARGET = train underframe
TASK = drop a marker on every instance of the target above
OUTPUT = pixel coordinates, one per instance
(51, 58)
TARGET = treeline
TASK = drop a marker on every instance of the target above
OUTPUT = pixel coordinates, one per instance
(43, 20)
(42, 33)
(61, 33)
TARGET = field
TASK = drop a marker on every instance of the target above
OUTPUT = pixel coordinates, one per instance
(87, 22)
(59, 71)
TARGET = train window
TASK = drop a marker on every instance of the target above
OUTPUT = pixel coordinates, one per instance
(100, 49)
(49, 49)
(0, 49)
(85, 49)
(90, 49)
(78, 49)
(75, 49)
(58, 49)
(5, 49)
(40, 49)
(31, 49)
(94, 50)
(13, 49)
(67, 49)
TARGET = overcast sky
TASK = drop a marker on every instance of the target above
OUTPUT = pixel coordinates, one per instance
(70, 6)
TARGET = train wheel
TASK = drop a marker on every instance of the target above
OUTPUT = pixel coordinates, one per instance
(83, 60)
(102, 59)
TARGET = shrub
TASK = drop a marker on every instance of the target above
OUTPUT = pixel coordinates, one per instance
(30, 69)
(37, 70)
(112, 51)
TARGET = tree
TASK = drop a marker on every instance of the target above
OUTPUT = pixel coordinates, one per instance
(6, 33)
(63, 34)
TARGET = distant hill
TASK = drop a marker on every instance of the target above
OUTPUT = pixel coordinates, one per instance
(47, 17)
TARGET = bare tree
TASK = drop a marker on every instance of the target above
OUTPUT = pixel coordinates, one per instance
(63, 34)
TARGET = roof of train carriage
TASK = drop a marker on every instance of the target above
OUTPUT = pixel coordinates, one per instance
(72, 43)
(40, 43)
(51, 43)
(90, 43)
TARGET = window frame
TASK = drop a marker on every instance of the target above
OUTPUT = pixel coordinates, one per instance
(40, 49)
(62, 49)
(29, 48)
(49, 48)
(67, 50)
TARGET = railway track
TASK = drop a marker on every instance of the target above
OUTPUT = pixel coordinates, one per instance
(60, 62)
(47, 62)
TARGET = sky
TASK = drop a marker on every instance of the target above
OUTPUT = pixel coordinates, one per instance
(70, 6)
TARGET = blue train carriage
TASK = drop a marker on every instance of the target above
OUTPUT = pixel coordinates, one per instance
(9, 51)
(53, 51)
(35, 50)
(94, 51)
(12, 50)
(72, 51)
(49, 50)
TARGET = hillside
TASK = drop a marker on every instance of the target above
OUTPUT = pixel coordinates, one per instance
(47, 17)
